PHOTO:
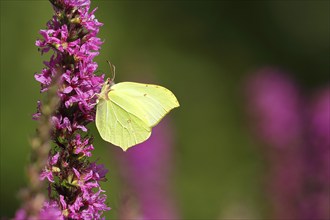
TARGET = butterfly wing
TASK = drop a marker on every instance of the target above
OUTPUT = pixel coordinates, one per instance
(118, 126)
(148, 102)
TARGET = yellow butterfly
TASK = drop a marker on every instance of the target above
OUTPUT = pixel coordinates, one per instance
(127, 111)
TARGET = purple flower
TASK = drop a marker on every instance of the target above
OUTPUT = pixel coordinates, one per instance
(316, 201)
(54, 159)
(82, 146)
(320, 118)
(49, 211)
(297, 135)
(99, 171)
(20, 214)
(274, 104)
(77, 3)
(37, 115)
(44, 78)
(147, 170)
(64, 124)
(71, 35)
(47, 172)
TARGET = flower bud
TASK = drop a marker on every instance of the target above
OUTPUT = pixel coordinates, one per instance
(56, 169)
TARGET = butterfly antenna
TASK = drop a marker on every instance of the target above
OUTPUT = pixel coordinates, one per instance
(112, 70)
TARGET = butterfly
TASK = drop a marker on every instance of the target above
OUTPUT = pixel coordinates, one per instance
(127, 111)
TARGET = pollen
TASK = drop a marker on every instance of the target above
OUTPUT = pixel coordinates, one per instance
(65, 45)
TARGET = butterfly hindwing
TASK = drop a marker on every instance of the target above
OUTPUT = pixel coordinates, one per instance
(118, 126)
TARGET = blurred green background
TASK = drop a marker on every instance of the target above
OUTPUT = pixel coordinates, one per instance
(202, 51)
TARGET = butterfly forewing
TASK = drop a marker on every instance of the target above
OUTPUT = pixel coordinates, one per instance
(148, 102)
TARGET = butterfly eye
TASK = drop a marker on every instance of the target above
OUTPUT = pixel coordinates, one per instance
(108, 82)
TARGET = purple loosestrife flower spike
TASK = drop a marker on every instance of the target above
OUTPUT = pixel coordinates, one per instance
(147, 171)
(73, 181)
(298, 135)
(316, 201)
(274, 106)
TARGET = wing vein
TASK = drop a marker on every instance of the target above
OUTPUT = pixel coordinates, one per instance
(114, 102)
(127, 112)
(114, 111)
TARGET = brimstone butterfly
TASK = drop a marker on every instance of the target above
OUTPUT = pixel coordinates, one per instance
(127, 111)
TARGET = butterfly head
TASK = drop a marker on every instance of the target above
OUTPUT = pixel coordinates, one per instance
(106, 88)
(109, 82)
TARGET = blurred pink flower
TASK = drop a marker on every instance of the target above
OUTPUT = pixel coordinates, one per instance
(274, 104)
(316, 201)
(146, 170)
(298, 141)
